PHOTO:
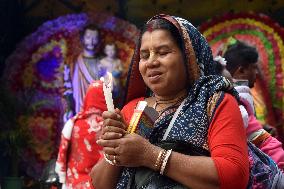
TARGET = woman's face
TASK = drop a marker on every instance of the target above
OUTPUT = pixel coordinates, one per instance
(161, 63)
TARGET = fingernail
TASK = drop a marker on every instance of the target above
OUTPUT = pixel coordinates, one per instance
(120, 135)
(98, 141)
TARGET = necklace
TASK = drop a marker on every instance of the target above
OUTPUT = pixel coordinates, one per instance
(164, 103)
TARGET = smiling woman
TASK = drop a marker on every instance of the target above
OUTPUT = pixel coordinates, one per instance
(172, 71)
(161, 64)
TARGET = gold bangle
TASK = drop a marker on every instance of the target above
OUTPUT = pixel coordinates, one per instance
(157, 163)
(165, 161)
(107, 160)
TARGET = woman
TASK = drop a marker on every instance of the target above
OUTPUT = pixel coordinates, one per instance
(171, 70)
(78, 151)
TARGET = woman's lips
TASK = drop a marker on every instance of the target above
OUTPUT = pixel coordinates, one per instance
(154, 76)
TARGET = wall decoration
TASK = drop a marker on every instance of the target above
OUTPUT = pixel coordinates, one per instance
(268, 37)
(38, 63)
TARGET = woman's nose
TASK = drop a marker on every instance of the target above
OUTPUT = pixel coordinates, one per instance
(153, 60)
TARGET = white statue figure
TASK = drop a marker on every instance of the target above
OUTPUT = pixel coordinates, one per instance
(85, 70)
(113, 65)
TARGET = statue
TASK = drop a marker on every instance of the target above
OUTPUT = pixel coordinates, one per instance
(86, 69)
(113, 65)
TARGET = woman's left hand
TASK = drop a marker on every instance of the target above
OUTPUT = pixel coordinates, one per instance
(114, 126)
(130, 151)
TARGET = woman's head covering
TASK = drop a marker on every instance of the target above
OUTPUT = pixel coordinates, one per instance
(197, 52)
(203, 90)
(95, 97)
(94, 101)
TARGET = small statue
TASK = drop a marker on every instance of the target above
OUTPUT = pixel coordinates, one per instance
(113, 65)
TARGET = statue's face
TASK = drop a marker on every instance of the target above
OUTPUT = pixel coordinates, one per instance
(110, 51)
(90, 39)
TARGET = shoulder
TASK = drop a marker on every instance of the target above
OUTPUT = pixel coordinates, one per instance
(218, 101)
(228, 101)
(226, 109)
(227, 115)
(227, 105)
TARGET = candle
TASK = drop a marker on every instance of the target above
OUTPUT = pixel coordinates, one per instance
(107, 87)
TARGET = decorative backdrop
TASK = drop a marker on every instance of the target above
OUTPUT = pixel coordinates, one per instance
(268, 37)
(38, 62)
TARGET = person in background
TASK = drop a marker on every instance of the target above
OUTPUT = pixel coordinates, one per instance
(78, 151)
(220, 66)
(255, 132)
(172, 71)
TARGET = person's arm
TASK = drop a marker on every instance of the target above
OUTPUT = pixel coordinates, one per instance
(268, 144)
(191, 171)
(273, 147)
(64, 147)
(226, 168)
(228, 165)
(228, 145)
(104, 175)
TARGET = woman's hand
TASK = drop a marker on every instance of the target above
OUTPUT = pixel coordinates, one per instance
(130, 151)
(103, 174)
(113, 126)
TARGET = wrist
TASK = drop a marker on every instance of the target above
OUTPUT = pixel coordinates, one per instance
(151, 156)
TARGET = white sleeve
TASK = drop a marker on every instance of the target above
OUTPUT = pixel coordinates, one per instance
(245, 115)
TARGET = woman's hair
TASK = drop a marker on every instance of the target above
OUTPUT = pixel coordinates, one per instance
(240, 54)
(218, 67)
(166, 25)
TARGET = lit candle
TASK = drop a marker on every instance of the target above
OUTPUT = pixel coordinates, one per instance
(107, 87)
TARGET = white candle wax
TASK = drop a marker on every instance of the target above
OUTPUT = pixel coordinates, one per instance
(107, 87)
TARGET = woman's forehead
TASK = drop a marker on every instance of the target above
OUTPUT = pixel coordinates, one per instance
(156, 38)
(156, 33)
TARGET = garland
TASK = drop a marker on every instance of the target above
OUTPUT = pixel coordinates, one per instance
(38, 63)
(268, 37)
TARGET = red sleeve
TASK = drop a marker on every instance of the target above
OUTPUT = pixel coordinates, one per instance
(228, 146)
(128, 109)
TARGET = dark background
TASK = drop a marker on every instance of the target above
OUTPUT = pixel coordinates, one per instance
(19, 18)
